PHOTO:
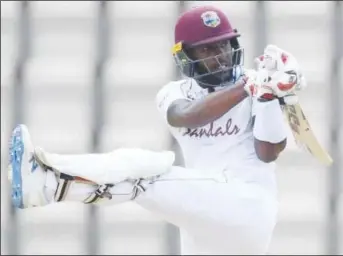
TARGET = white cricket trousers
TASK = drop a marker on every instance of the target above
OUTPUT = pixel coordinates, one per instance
(215, 216)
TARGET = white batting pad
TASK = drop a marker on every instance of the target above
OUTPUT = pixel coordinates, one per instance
(112, 167)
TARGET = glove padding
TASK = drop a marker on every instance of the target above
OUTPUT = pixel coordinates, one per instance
(255, 85)
(280, 73)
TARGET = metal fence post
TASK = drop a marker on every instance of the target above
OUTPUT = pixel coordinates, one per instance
(18, 114)
(173, 232)
(260, 27)
(181, 7)
(93, 225)
(332, 231)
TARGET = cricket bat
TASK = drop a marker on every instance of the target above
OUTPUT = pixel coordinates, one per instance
(303, 134)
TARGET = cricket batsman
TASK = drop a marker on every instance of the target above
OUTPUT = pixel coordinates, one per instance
(229, 124)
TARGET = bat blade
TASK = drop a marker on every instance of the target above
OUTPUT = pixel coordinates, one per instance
(304, 135)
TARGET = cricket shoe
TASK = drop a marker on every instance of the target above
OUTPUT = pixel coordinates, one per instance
(26, 175)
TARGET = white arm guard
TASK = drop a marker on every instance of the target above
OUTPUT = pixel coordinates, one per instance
(270, 125)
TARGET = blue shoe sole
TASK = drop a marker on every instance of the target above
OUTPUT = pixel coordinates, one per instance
(16, 151)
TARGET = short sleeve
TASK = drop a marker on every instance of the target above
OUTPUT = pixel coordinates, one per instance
(167, 95)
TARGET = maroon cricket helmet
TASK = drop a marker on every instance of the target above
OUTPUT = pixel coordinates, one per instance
(203, 26)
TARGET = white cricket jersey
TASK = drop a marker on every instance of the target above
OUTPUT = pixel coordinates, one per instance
(226, 144)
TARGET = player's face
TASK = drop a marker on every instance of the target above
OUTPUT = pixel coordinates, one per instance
(215, 57)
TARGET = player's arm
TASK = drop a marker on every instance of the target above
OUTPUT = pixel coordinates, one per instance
(285, 76)
(197, 113)
(270, 131)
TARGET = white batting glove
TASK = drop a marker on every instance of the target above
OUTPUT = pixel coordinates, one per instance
(256, 84)
(283, 71)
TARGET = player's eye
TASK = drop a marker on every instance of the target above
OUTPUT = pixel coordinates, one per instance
(224, 45)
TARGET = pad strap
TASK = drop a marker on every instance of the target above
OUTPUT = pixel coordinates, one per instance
(104, 192)
(137, 188)
(101, 192)
(64, 182)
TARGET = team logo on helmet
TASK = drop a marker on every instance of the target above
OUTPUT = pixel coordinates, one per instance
(210, 19)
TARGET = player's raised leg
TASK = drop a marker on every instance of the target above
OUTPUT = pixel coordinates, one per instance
(39, 177)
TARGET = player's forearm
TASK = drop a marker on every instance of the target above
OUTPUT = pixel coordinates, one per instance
(201, 112)
(270, 131)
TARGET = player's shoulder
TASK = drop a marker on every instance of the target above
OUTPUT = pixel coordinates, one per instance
(174, 85)
(170, 92)
(177, 88)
